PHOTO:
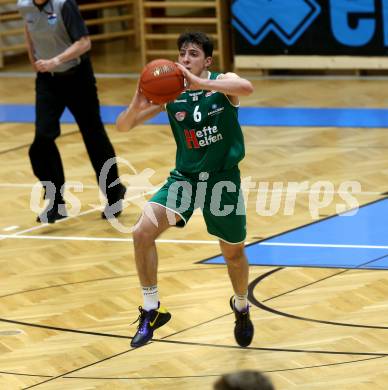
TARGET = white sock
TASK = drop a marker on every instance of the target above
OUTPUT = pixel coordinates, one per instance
(151, 298)
(241, 302)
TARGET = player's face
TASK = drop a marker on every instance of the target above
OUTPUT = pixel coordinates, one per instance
(192, 57)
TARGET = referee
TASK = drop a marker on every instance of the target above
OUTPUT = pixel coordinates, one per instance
(57, 41)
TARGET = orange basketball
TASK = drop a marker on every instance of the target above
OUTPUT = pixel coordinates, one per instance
(161, 81)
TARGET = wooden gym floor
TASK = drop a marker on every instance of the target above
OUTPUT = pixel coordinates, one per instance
(69, 291)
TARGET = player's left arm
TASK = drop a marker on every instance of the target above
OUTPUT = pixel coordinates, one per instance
(234, 86)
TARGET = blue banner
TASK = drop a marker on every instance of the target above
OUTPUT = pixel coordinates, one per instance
(323, 27)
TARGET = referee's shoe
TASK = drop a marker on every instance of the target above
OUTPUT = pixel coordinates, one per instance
(148, 322)
(243, 329)
(53, 212)
(115, 206)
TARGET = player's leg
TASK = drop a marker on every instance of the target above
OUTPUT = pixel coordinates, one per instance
(153, 221)
(160, 213)
(163, 210)
(231, 231)
(151, 224)
(238, 270)
(225, 218)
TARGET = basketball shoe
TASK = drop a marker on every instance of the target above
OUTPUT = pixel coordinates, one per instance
(243, 329)
(148, 322)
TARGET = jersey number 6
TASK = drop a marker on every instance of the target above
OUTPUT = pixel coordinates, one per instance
(197, 114)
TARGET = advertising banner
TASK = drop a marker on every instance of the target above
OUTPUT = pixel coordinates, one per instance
(310, 27)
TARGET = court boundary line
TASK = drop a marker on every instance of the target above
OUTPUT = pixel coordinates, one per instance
(92, 210)
(178, 241)
(342, 246)
(103, 239)
(211, 345)
(194, 376)
(260, 305)
(295, 229)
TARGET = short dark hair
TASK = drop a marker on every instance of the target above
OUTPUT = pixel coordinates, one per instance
(199, 38)
(244, 380)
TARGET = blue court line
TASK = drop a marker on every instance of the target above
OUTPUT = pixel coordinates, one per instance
(248, 116)
(358, 241)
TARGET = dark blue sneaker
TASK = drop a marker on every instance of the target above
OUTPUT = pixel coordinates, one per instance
(243, 329)
(148, 322)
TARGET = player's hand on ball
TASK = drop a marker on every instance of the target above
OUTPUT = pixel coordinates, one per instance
(192, 82)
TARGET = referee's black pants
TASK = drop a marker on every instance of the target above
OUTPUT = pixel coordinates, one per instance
(75, 89)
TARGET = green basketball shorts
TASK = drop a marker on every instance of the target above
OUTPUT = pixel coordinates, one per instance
(217, 194)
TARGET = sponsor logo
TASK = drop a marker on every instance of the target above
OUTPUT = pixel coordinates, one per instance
(216, 110)
(152, 323)
(200, 138)
(287, 19)
(195, 93)
(180, 115)
(161, 70)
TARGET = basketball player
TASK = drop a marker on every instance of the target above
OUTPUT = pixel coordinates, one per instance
(210, 145)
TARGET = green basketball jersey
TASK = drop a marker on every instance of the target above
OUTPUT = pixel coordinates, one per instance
(206, 130)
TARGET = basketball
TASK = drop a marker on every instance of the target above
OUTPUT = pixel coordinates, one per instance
(161, 81)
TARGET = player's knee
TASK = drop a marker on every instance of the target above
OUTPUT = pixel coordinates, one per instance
(234, 255)
(142, 237)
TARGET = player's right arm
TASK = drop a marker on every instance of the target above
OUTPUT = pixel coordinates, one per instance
(139, 111)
